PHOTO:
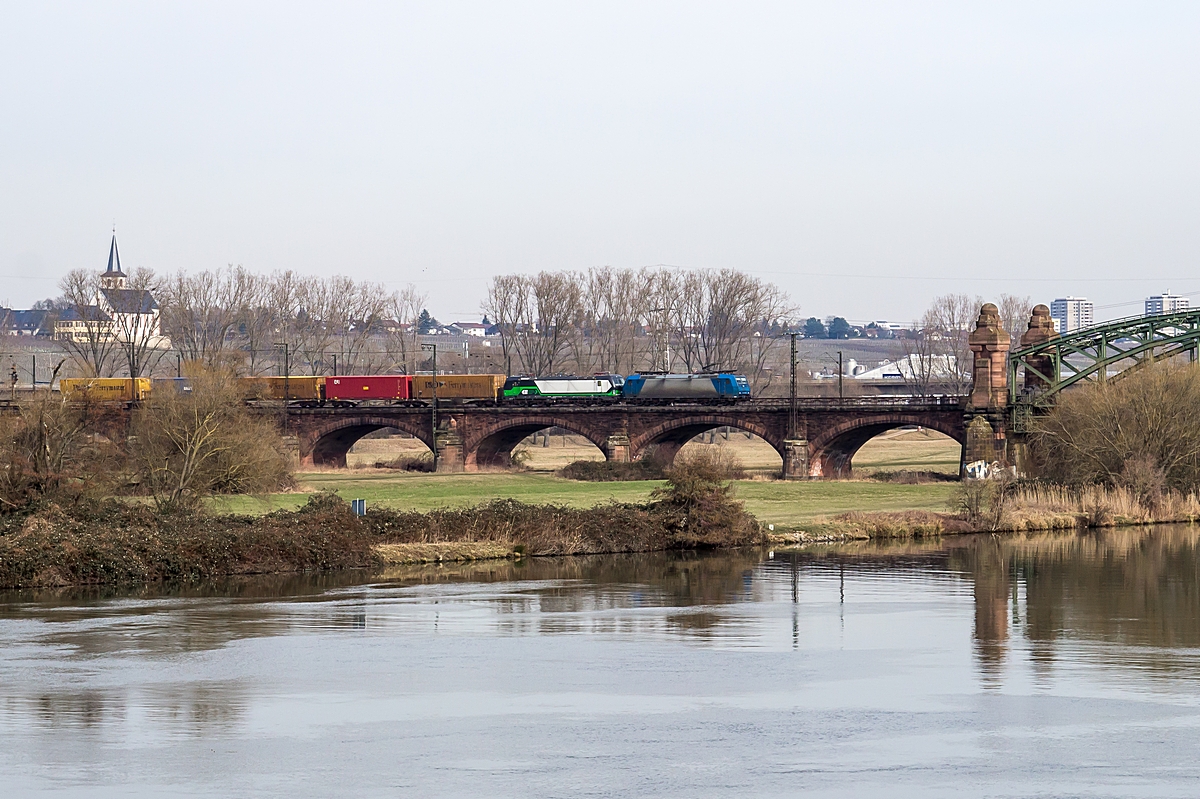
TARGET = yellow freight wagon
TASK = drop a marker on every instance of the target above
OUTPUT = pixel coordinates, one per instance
(105, 389)
(458, 387)
(308, 389)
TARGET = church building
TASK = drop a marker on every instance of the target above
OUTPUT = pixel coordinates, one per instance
(119, 312)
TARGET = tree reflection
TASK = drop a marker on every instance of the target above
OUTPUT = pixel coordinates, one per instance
(1138, 587)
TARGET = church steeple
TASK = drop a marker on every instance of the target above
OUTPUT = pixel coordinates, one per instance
(113, 277)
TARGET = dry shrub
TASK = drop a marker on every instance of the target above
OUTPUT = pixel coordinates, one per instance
(695, 510)
(115, 542)
(532, 529)
(715, 464)
(912, 477)
(190, 445)
(1138, 432)
(613, 471)
(697, 502)
(54, 450)
(983, 504)
(422, 462)
(898, 524)
(1040, 506)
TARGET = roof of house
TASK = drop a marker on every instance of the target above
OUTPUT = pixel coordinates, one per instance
(90, 313)
(938, 367)
(130, 300)
(23, 320)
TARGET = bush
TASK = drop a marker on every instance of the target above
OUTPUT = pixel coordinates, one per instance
(612, 471)
(116, 542)
(698, 506)
(1138, 432)
(983, 503)
(51, 450)
(694, 510)
(912, 477)
(188, 446)
(409, 463)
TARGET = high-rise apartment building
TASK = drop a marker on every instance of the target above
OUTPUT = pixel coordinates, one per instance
(1072, 313)
(1166, 303)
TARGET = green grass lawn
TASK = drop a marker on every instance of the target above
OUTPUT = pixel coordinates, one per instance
(784, 503)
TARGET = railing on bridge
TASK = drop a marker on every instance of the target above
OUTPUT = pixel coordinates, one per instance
(1096, 353)
(875, 401)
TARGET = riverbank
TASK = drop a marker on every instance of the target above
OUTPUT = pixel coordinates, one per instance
(1029, 509)
(115, 542)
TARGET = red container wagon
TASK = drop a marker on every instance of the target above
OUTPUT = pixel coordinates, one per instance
(355, 388)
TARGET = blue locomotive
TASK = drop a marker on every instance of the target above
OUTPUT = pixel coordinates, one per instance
(686, 387)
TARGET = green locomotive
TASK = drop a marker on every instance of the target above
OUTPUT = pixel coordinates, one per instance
(598, 386)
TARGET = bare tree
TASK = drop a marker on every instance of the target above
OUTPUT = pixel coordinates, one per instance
(614, 303)
(917, 360)
(256, 324)
(200, 312)
(87, 330)
(1119, 431)
(47, 449)
(404, 309)
(537, 316)
(504, 303)
(949, 320)
(356, 318)
(723, 319)
(187, 446)
(1014, 315)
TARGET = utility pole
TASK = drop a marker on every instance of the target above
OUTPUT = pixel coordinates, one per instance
(287, 389)
(792, 414)
(841, 394)
(434, 405)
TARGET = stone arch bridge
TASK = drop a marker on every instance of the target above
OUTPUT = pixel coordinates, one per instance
(820, 442)
(814, 438)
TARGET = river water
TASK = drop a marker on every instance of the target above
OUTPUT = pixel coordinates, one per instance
(1053, 665)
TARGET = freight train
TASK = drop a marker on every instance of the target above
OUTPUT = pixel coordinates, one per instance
(344, 391)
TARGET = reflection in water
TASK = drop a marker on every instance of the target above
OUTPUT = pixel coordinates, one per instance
(788, 671)
(1137, 587)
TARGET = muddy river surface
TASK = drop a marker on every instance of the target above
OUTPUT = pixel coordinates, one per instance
(1055, 665)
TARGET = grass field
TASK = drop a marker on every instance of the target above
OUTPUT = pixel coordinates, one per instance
(784, 503)
(778, 502)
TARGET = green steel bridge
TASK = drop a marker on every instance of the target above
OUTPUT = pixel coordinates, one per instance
(1098, 353)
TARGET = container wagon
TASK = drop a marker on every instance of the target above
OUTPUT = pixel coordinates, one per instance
(459, 388)
(305, 391)
(105, 389)
(714, 387)
(178, 385)
(600, 386)
(344, 390)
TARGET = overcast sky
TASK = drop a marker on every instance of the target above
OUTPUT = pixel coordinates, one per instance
(865, 157)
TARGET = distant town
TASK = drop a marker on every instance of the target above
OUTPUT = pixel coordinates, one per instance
(108, 322)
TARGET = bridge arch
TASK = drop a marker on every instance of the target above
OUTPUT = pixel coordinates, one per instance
(329, 443)
(663, 441)
(492, 445)
(831, 452)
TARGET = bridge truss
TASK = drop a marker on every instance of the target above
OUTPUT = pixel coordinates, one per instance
(1098, 353)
